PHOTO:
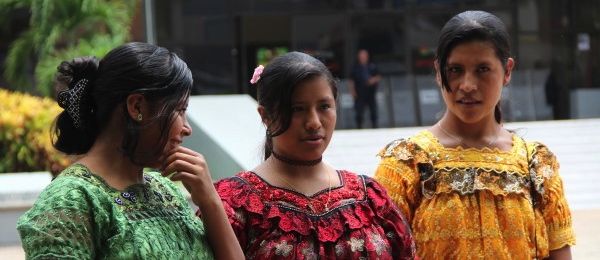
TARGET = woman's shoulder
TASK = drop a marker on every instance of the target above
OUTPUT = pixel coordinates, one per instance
(539, 154)
(414, 147)
(537, 148)
(239, 180)
(355, 178)
(240, 192)
(76, 177)
(74, 189)
(363, 182)
(542, 161)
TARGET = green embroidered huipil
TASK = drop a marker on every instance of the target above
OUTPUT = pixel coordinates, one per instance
(78, 216)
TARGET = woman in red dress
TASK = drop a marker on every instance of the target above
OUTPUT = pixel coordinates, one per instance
(295, 206)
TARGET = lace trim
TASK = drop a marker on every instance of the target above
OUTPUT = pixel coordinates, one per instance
(467, 181)
(541, 166)
(561, 238)
(430, 137)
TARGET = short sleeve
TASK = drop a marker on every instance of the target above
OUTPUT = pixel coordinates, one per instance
(59, 224)
(398, 173)
(391, 220)
(555, 209)
(234, 195)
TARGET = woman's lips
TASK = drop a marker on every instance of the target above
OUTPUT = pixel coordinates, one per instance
(313, 139)
(468, 101)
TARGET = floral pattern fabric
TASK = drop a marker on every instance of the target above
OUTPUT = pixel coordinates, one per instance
(78, 216)
(478, 203)
(356, 220)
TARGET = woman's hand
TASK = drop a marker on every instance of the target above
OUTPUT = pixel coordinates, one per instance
(190, 167)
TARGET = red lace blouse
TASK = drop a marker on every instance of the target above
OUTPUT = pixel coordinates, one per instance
(354, 220)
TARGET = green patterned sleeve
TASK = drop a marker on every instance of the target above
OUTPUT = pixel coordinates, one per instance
(59, 225)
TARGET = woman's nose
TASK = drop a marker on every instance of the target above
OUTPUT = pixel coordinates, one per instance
(187, 128)
(313, 122)
(469, 83)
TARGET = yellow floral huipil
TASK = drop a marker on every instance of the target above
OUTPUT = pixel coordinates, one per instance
(477, 203)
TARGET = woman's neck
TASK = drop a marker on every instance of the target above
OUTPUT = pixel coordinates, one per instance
(106, 160)
(452, 132)
(304, 179)
(293, 170)
(473, 131)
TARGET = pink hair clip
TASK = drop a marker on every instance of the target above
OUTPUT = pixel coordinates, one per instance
(256, 76)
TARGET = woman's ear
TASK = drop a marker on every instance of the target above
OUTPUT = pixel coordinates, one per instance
(136, 107)
(263, 115)
(510, 65)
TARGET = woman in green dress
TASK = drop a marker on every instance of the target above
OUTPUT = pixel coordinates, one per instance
(125, 114)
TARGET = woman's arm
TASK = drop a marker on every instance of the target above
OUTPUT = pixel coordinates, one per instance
(400, 177)
(59, 224)
(192, 170)
(555, 208)
(561, 254)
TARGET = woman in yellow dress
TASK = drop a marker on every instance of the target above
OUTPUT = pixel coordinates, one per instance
(470, 188)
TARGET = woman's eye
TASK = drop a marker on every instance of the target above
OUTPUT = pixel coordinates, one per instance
(296, 109)
(454, 69)
(325, 106)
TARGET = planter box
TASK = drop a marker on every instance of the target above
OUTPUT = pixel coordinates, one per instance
(18, 192)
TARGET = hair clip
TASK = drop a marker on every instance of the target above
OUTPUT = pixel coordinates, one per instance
(71, 100)
(256, 75)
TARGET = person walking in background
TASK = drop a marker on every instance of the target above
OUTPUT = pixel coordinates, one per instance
(364, 80)
(470, 188)
(556, 91)
(295, 206)
(122, 114)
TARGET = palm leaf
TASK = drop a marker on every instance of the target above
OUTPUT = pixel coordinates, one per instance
(62, 28)
(18, 59)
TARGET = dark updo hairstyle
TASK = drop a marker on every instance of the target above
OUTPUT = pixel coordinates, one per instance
(472, 26)
(158, 74)
(277, 84)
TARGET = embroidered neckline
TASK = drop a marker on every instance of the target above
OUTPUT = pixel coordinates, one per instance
(261, 194)
(440, 146)
(103, 182)
(309, 197)
(140, 196)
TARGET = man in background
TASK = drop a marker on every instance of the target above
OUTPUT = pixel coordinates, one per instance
(364, 80)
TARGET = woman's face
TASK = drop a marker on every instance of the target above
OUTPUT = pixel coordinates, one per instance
(476, 77)
(150, 137)
(313, 120)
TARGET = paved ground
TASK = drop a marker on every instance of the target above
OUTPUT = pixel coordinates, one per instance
(587, 230)
(586, 223)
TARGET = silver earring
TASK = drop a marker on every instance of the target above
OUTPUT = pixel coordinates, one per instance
(139, 117)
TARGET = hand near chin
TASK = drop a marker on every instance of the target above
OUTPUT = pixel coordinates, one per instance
(190, 167)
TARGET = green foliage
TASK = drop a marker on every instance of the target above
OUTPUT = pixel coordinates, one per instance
(62, 30)
(25, 123)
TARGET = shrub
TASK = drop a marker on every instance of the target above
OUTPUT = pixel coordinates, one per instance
(25, 140)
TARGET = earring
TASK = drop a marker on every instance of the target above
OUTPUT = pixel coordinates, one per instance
(139, 117)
